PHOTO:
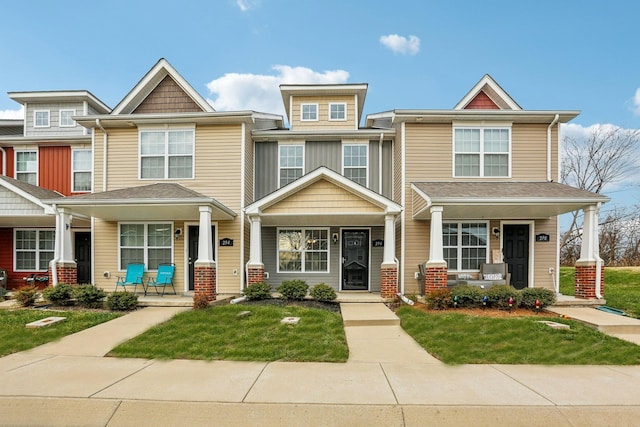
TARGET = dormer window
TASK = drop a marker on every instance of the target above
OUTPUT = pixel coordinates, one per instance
(338, 111)
(41, 118)
(309, 112)
(65, 118)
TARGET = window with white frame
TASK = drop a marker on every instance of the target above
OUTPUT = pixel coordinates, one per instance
(482, 152)
(34, 249)
(338, 111)
(166, 154)
(308, 112)
(303, 250)
(81, 170)
(465, 244)
(290, 163)
(147, 243)
(65, 118)
(41, 118)
(27, 166)
(355, 162)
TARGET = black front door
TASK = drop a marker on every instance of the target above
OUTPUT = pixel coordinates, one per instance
(194, 235)
(516, 253)
(83, 256)
(355, 260)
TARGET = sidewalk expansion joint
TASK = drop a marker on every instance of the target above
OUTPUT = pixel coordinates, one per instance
(253, 384)
(495, 367)
(389, 384)
(150, 362)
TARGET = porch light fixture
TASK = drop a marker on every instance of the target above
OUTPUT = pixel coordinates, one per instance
(177, 233)
(334, 238)
(496, 232)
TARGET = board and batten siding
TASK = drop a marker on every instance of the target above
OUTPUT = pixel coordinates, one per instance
(322, 153)
(323, 121)
(54, 168)
(266, 168)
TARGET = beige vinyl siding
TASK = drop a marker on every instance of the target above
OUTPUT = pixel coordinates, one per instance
(545, 253)
(429, 152)
(323, 121)
(105, 255)
(529, 152)
(323, 197)
(122, 159)
(417, 235)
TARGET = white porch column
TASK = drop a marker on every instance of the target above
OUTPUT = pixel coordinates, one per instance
(388, 256)
(63, 237)
(205, 247)
(255, 246)
(435, 242)
(588, 249)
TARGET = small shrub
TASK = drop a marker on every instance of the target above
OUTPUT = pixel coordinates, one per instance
(323, 292)
(498, 296)
(26, 295)
(438, 299)
(257, 291)
(468, 295)
(200, 301)
(293, 289)
(89, 296)
(122, 301)
(61, 294)
(3, 294)
(528, 297)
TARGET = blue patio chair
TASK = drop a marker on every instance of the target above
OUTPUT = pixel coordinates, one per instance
(135, 271)
(163, 278)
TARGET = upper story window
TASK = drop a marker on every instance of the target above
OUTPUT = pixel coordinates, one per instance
(482, 152)
(27, 166)
(41, 118)
(290, 163)
(166, 154)
(309, 112)
(338, 111)
(355, 162)
(465, 244)
(148, 243)
(34, 249)
(65, 118)
(81, 170)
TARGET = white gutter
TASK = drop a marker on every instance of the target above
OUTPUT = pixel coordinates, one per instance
(596, 249)
(555, 120)
(242, 203)
(380, 163)
(403, 198)
(104, 155)
(4, 161)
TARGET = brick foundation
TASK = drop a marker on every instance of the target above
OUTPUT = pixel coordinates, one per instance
(255, 275)
(586, 281)
(388, 282)
(205, 282)
(435, 278)
(67, 274)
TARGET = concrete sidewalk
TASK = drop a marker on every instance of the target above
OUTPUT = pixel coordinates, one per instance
(389, 380)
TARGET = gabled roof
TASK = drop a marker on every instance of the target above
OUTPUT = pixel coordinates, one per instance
(492, 90)
(352, 89)
(60, 96)
(150, 81)
(33, 193)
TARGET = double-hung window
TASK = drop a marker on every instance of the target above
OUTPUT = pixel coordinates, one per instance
(290, 163)
(81, 170)
(27, 166)
(167, 154)
(34, 249)
(148, 243)
(338, 111)
(465, 244)
(41, 118)
(65, 118)
(308, 112)
(482, 152)
(355, 162)
(303, 250)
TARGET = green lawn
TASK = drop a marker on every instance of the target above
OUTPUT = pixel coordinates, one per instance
(621, 289)
(457, 338)
(218, 333)
(15, 336)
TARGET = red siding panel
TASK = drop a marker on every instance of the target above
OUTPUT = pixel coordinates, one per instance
(10, 164)
(54, 169)
(482, 102)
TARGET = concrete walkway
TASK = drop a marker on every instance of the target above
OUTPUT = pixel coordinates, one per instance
(388, 381)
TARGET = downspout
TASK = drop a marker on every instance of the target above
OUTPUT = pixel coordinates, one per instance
(56, 254)
(555, 120)
(104, 155)
(4, 161)
(596, 249)
(380, 163)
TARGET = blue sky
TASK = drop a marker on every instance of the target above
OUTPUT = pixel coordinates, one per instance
(548, 54)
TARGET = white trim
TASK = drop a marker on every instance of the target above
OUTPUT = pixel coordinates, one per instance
(145, 246)
(302, 251)
(367, 157)
(185, 247)
(166, 129)
(36, 249)
(341, 282)
(302, 105)
(487, 80)
(531, 260)
(73, 170)
(73, 113)
(243, 171)
(15, 164)
(482, 152)
(35, 119)
(343, 119)
(403, 203)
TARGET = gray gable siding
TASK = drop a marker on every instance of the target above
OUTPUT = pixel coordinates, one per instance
(323, 153)
(54, 128)
(265, 169)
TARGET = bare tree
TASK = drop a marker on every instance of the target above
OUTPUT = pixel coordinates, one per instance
(606, 156)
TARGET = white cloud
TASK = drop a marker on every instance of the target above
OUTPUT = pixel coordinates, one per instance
(260, 92)
(245, 5)
(636, 103)
(401, 44)
(12, 114)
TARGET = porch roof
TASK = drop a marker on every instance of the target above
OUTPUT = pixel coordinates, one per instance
(24, 204)
(161, 201)
(507, 200)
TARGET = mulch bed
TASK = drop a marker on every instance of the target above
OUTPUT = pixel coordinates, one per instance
(330, 306)
(487, 312)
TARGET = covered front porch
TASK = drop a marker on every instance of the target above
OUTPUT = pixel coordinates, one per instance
(519, 226)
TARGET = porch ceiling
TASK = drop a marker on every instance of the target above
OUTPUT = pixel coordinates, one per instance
(505, 200)
(311, 219)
